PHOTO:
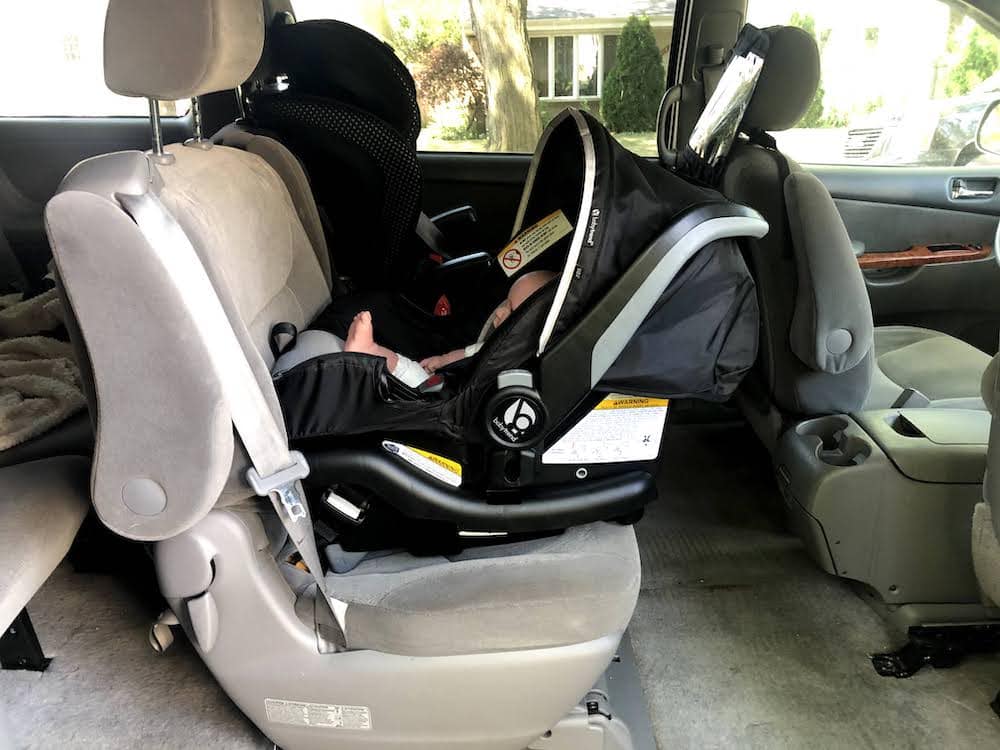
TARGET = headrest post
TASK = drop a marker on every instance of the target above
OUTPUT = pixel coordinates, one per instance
(159, 155)
(199, 140)
(241, 106)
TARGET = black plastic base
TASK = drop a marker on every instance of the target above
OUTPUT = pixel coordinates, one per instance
(939, 647)
(19, 646)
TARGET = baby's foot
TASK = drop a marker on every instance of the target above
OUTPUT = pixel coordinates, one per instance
(361, 335)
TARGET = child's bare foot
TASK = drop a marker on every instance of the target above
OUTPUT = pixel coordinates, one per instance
(361, 335)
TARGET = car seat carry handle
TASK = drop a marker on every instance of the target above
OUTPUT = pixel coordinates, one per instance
(277, 472)
(576, 364)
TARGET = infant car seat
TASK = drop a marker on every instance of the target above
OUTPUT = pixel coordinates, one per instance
(342, 101)
(653, 301)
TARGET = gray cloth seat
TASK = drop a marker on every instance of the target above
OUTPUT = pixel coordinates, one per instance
(42, 505)
(946, 370)
(986, 518)
(820, 352)
(571, 588)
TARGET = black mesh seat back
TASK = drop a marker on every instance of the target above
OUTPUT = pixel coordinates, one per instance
(364, 177)
(337, 61)
(347, 107)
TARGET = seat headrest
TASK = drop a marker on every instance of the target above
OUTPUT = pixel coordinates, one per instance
(174, 49)
(788, 80)
(991, 386)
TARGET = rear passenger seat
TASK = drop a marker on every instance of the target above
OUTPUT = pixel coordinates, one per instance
(42, 504)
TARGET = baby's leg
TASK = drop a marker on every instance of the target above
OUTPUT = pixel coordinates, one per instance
(361, 338)
(308, 345)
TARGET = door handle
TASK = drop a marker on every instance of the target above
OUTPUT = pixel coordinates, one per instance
(963, 188)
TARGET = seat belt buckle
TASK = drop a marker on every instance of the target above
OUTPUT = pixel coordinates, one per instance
(282, 483)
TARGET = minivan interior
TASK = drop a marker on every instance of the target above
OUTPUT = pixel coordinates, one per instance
(500, 375)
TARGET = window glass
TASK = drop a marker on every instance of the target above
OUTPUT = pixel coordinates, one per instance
(586, 64)
(540, 65)
(564, 66)
(53, 51)
(570, 54)
(904, 82)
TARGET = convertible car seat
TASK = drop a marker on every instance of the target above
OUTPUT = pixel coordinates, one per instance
(346, 105)
(820, 352)
(175, 264)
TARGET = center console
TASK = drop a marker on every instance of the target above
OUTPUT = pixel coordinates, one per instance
(886, 498)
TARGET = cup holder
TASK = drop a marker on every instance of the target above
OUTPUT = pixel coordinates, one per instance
(833, 445)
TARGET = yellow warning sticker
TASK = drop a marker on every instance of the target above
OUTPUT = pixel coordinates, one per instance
(619, 429)
(439, 467)
(533, 241)
(631, 402)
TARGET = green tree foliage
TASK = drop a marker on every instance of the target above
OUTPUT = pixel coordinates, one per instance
(443, 70)
(634, 86)
(979, 61)
(813, 118)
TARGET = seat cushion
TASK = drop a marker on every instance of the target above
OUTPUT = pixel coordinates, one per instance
(944, 369)
(575, 587)
(42, 505)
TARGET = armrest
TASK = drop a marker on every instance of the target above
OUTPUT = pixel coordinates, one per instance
(418, 495)
(453, 216)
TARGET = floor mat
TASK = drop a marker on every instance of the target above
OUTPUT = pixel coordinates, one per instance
(106, 688)
(741, 641)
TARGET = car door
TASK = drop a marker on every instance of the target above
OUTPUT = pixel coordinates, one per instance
(892, 134)
(59, 112)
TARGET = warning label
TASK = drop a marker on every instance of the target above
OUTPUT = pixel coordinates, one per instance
(322, 715)
(533, 241)
(439, 467)
(620, 428)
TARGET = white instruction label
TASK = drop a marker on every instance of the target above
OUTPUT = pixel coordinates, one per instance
(533, 241)
(321, 715)
(439, 467)
(620, 428)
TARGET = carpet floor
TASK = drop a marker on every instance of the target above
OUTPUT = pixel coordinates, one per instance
(741, 641)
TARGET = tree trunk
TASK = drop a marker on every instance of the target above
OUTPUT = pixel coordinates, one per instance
(511, 104)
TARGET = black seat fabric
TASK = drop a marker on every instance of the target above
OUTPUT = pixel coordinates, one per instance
(347, 107)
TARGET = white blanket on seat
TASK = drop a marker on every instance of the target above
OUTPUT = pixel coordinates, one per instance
(39, 378)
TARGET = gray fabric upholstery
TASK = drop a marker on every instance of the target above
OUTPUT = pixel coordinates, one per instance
(832, 321)
(780, 377)
(290, 169)
(42, 505)
(180, 48)
(946, 370)
(990, 386)
(787, 82)
(240, 217)
(570, 588)
(986, 551)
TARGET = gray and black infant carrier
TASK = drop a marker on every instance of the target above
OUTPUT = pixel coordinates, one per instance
(558, 418)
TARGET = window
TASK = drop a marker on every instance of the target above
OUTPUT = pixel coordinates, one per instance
(878, 102)
(566, 61)
(580, 65)
(54, 55)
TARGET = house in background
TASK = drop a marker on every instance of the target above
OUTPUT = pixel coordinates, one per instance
(574, 44)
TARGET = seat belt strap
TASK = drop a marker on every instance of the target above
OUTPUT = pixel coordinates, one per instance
(277, 472)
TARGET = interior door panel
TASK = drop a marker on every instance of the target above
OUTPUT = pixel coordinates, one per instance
(897, 211)
(490, 183)
(36, 153)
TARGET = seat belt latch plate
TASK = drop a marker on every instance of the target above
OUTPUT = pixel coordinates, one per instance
(283, 484)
